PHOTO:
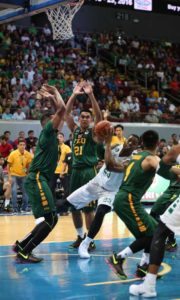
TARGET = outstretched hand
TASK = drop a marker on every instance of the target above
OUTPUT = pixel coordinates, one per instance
(50, 89)
(78, 90)
(87, 88)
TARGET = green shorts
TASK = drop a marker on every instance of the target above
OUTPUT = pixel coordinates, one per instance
(80, 177)
(40, 195)
(132, 213)
(163, 203)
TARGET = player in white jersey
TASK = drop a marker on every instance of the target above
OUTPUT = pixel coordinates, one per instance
(103, 187)
(170, 221)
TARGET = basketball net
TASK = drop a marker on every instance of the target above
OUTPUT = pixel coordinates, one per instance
(61, 19)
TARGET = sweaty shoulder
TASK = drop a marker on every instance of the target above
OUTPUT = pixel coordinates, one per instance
(150, 162)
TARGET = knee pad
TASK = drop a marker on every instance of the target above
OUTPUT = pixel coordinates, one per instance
(51, 219)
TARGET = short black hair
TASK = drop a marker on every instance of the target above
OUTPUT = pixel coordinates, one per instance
(150, 139)
(3, 137)
(86, 110)
(136, 136)
(30, 131)
(163, 140)
(119, 126)
(20, 140)
(7, 131)
(61, 133)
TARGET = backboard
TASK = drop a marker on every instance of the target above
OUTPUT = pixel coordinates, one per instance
(11, 10)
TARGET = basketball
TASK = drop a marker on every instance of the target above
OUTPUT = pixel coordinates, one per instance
(102, 129)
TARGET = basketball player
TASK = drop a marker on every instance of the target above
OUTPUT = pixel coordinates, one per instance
(169, 222)
(103, 187)
(84, 151)
(137, 179)
(166, 199)
(37, 181)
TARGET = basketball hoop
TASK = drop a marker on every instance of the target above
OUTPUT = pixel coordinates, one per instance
(61, 19)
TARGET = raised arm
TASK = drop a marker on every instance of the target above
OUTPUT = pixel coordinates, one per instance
(69, 106)
(96, 109)
(52, 93)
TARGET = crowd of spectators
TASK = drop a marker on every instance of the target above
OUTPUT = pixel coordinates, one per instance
(29, 58)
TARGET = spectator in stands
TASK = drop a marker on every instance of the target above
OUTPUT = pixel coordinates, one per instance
(21, 136)
(18, 165)
(31, 140)
(7, 114)
(7, 135)
(19, 115)
(5, 147)
(161, 146)
(174, 139)
(151, 117)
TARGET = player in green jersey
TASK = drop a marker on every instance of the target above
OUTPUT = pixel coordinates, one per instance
(166, 199)
(138, 177)
(84, 151)
(37, 181)
(169, 222)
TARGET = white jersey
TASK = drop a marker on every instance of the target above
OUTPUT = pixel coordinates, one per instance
(110, 181)
(171, 217)
(103, 187)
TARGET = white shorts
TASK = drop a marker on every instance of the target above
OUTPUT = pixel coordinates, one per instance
(171, 217)
(89, 192)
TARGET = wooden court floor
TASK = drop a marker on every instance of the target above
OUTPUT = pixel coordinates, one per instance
(63, 275)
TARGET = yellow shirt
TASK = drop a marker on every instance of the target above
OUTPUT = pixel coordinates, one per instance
(19, 163)
(116, 140)
(60, 166)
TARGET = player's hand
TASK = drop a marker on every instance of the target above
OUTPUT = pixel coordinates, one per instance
(78, 90)
(87, 87)
(50, 89)
(45, 94)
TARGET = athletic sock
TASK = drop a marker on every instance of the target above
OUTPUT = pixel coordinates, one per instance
(7, 201)
(150, 279)
(125, 253)
(87, 241)
(80, 232)
(144, 259)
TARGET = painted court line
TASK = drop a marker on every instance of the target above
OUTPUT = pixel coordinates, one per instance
(166, 269)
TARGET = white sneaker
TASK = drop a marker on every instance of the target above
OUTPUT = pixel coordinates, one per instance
(142, 290)
(83, 251)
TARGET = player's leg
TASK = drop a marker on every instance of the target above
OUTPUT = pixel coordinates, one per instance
(7, 194)
(105, 203)
(170, 221)
(140, 224)
(159, 207)
(78, 179)
(148, 288)
(46, 218)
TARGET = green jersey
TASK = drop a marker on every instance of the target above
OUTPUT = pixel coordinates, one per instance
(46, 154)
(84, 149)
(136, 181)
